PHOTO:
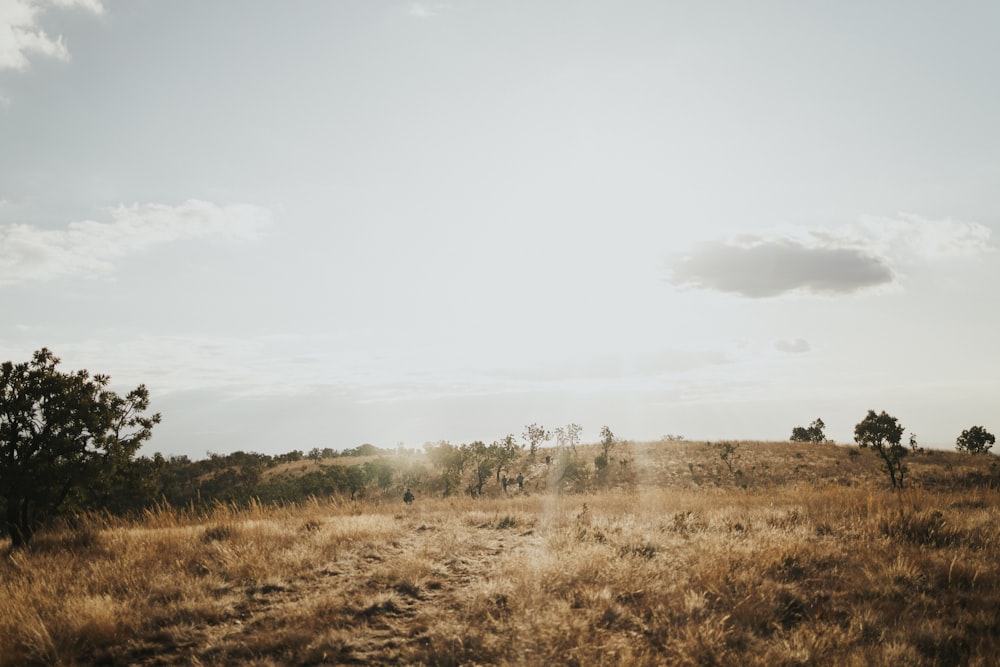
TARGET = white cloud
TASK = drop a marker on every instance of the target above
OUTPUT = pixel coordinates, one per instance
(839, 261)
(422, 10)
(93, 5)
(29, 253)
(909, 237)
(758, 267)
(796, 346)
(21, 33)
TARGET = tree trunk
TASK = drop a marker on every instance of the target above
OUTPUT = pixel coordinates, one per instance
(17, 522)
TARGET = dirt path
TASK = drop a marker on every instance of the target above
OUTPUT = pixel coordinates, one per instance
(260, 630)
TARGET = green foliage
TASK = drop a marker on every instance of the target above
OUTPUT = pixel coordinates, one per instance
(730, 455)
(535, 435)
(608, 441)
(365, 450)
(883, 433)
(65, 439)
(481, 459)
(290, 457)
(506, 451)
(450, 460)
(570, 473)
(380, 471)
(355, 480)
(603, 460)
(812, 433)
(975, 440)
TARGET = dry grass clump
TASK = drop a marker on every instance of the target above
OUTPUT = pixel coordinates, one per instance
(764, 574)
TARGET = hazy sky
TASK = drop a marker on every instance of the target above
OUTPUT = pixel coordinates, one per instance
(317, 223)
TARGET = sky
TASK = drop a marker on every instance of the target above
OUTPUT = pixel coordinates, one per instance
(318, 224)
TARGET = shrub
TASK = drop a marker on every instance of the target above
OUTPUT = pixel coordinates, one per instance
(975, 440)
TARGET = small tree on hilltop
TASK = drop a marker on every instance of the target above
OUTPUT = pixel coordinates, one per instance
(608, 443)
(814, 432)
(975, 440)
(568, 436)
(883, 433)
(535, 435)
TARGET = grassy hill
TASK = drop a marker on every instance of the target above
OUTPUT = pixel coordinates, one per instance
(779, 553)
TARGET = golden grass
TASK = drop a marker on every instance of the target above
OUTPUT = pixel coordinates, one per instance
(786, 572)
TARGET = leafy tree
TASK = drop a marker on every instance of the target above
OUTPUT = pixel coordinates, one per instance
(450, 460)
(730, 455)
(290, 457)
(482, 458)
(975, 440)
(608, 442)
(366, 449)
(883, 433)
(356, 480)
(812, 433)
(380, 471)
(64, 437)
(535, 435)
(132, 488)
(504, 452)
(568, 436)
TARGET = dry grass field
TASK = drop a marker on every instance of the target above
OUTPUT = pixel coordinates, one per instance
(799, 556)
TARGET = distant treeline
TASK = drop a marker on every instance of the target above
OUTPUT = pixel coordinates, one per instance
(243, 476)
(239, 477)
(441, 469)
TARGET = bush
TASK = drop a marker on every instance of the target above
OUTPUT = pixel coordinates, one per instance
(812, 433)
(975, 440)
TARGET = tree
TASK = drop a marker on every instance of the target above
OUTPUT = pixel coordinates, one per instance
(730, 455)
(535, 435)
(568, 436)
(356, 480)
(64, 437)
(883, 434)
(379, 471)
(975, 440)
(482, 458)
(814, 433)
(450, 460)
(505, 451)
(608, 443)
